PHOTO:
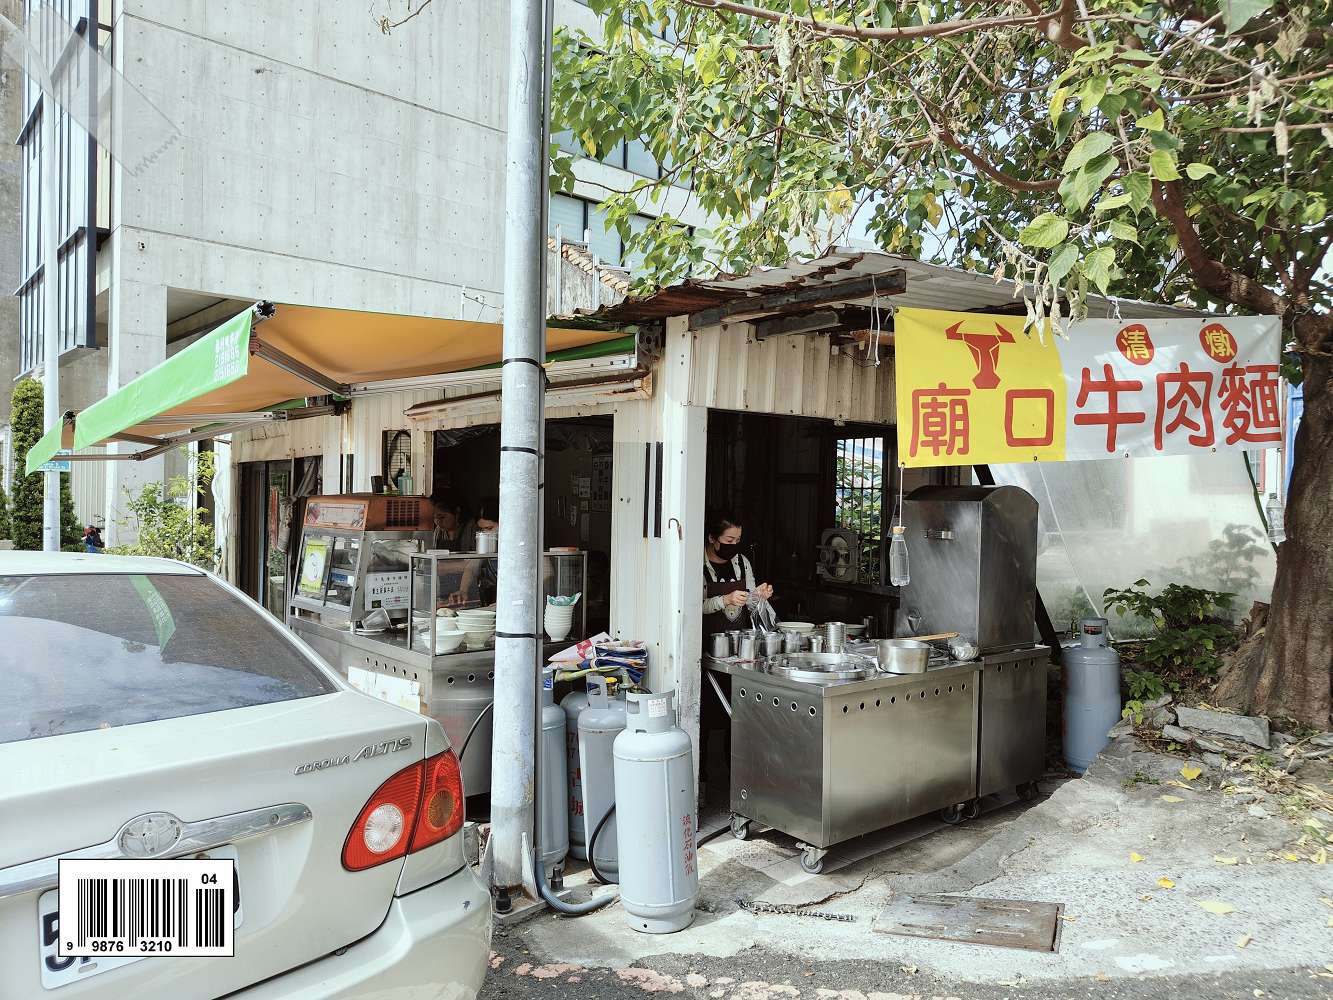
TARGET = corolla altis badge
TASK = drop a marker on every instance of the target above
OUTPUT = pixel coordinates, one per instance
(365, 753)
(150, 835)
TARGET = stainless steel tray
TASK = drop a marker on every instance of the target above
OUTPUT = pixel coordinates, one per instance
(820, 668)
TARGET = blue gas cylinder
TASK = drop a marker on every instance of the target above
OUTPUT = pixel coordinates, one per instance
(1092, 694)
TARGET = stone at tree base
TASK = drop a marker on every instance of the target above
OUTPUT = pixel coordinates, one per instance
(1322, 740)
(1177, 734)
(1204, 743)
(1249, 728)
(1214, 759)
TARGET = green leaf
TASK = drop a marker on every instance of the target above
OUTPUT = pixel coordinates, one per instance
(1111, 105)
(1163, 166)
(1082, 186)
(1139, 188)
(1046, 230)
(1097, 267)
(1124, 231)
(1113, 201)
(1058, 102)
(1093, 90)
(1091, 146)
(1198, 171)
(1062, 261)
(1236, 13)
(1154, 122)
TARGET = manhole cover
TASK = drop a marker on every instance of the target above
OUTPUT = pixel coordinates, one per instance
(1009, 923)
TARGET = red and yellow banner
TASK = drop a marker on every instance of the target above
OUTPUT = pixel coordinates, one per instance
(975, 388)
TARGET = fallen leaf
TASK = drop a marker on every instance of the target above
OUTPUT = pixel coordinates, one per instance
(1291, 857)
(1225, 860)
(1216, 906)
(1243, 940)
(1321, 856)
(1189, 772)
(1171, 798)
(1069, 920)
(1145, 897)
(1179, 784)
(1326, 900)
(1102, 977)
(1166, 883)
(1135, 857)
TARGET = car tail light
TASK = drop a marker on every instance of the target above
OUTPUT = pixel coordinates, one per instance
(420, 805)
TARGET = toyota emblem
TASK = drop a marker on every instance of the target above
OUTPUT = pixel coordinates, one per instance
(150, 835)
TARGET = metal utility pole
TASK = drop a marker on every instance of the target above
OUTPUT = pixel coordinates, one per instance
(50, 317)
(518, 645)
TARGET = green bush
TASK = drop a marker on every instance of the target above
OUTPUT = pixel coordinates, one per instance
(1191, 629)
(164, 523)
(25, 512)
(5, 527)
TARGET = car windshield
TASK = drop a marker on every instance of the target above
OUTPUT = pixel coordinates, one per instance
(98, 651)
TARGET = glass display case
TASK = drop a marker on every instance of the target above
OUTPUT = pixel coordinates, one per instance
(452, 590)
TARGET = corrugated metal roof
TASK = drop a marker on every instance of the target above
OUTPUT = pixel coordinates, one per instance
(929, 286)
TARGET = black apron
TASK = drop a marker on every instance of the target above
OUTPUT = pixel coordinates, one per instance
(718, 621)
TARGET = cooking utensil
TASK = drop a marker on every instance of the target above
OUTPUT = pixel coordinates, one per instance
(747, 648)
(816, 643)
(792, 642)
(835, 634)
(933, 638)
(820, 667)
(902, 656)
(719, 645)
(796, 626)
(963, 649)
(772, 643)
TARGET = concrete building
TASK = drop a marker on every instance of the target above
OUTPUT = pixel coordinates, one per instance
(315, 160)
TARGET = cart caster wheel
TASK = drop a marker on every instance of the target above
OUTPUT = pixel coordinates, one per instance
(812, 861)
(953, 815)
(972, 810)
(740, 828)
(1028, 791)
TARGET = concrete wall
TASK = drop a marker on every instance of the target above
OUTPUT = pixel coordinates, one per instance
(11, 193)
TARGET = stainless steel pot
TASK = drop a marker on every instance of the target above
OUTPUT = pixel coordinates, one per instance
(719, 645)
(792, 642)
(902, 656)
(835, 634)
(747, 649)
(772, 643)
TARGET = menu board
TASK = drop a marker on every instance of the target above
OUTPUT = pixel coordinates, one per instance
(387, 590)
(351, 515)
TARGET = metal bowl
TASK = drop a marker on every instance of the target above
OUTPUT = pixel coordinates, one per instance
(820, 668)
(902, 656)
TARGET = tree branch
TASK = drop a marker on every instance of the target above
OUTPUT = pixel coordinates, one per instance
(835, 29)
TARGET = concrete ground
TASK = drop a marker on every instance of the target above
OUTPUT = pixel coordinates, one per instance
(1182, 890)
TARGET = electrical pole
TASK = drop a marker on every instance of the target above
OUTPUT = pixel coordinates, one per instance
(50, 209)
(518, 645)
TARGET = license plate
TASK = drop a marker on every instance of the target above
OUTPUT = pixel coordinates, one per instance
(57, 971)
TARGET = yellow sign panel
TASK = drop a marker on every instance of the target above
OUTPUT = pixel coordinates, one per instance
(975, 388)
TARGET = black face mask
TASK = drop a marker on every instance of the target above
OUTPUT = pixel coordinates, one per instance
(728, 550)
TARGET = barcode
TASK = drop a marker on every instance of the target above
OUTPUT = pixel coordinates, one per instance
(182, 907)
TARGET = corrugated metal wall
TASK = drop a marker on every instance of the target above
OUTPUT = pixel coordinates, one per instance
(87, 484)
(793, 376)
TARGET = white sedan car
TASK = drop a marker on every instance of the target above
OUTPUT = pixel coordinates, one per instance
(151, 711)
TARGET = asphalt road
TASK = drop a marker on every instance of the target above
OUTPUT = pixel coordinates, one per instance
(757, 974)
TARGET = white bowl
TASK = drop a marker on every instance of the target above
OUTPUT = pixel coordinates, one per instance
(560, 614)
(448, 641)
(468, 620)
(796, 626)
(478, 640)
(557, 631)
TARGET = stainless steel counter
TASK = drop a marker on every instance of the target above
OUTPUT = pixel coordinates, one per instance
(453, 688)
(831, 761)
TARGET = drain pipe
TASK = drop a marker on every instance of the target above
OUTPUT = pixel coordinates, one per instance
(517, 645)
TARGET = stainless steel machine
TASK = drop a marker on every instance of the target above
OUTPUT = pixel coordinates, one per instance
(830, 748)
(364, 554)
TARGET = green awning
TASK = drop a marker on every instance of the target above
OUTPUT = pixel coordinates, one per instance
(217, 359)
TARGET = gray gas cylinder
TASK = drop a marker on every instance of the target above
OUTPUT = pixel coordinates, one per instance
(553, 782)
(573, 705)
(659, 874)
(599, 725)
(1092, 694)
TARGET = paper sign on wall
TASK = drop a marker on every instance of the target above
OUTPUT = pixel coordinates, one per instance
(975, 388)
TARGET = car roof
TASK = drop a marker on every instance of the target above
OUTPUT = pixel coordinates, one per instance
(87, 563)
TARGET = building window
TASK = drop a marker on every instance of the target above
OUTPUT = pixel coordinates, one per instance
(858, 499)
(578, 219)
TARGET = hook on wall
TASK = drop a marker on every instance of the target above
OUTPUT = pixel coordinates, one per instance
(680, 530)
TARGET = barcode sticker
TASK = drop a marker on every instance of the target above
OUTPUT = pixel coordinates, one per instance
(141, 908)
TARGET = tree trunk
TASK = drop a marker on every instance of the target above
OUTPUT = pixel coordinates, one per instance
(1297, 671)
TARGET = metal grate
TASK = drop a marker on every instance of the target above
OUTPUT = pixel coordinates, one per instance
(401, 512)
(858, 498)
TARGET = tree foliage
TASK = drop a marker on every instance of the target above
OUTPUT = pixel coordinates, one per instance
(25, 509)
(165, 522)
(1168, 150)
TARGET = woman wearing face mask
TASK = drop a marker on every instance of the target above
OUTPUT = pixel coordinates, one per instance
(728, 576)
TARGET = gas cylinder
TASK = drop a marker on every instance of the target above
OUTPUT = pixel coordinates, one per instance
(654, 763)
(1092, 694)
(599, 725)
(573, 704)
(553, 783)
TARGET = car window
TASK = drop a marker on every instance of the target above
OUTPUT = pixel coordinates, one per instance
(86, 652)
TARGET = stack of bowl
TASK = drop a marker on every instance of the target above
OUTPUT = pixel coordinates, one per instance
(478, 627)
(559, 620)
(449, 634)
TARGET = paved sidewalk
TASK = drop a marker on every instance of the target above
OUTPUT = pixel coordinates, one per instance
(1162, 884)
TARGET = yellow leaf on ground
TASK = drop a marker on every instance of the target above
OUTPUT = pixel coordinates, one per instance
(1145, 897)
(1171, 798)
(1243, 940)
(1216, 906)
(1166, 883)
(1225, 860)
(1135, 857)
(1179, 784)
(1321, 856)
(1189, 772)
(1291, 857)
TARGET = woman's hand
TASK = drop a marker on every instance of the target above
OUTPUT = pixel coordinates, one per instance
(764, 590)
(737, 598)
